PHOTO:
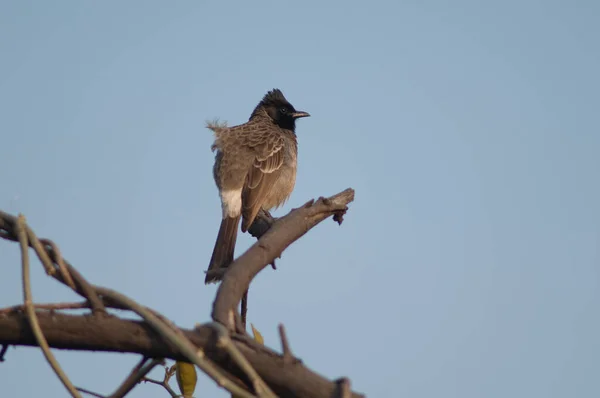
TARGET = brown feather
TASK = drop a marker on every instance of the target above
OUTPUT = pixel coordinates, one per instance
(255, 191)
(224, 248)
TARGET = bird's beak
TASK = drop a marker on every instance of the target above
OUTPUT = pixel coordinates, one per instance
(299, 114)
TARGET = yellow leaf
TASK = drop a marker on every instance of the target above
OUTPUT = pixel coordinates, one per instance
(257, 336)
(186, 378)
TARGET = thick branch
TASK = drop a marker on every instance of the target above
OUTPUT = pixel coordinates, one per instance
(112, 334)
(283, 233)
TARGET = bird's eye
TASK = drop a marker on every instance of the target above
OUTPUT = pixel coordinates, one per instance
(283, 110)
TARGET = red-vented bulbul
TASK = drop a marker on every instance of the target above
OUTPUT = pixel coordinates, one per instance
(255, 167)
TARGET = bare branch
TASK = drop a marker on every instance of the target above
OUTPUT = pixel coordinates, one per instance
(176, 338)
(260, 388)
(169, 372)
(59, 260)
(31, 315)
(111, 334)
(83, 288)
(47, 306)
(3, 352)
(167, 387)
(283, 233)
(234, 361)
(244, 308)
(344, 387)
(139, 372)
(94, 394)
(288, 358)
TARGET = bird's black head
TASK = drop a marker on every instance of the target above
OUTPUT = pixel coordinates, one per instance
(279, 110)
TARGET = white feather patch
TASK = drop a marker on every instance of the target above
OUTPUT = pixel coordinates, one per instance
(231, 202)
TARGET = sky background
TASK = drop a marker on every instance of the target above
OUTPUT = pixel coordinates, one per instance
(469, 264)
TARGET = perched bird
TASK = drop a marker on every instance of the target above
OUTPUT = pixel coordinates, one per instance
(255, 167)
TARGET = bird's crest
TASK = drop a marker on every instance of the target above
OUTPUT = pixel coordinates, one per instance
(274, 97)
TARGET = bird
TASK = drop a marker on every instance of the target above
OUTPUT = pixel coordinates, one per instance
(255, 168)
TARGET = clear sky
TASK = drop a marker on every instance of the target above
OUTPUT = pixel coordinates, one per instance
(468, 265)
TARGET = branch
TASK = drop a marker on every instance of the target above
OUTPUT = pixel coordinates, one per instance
(172, 334)
(233, 361)
(138, 373)
(3, 351)
(225, 342)
(30, 311)
(169, 372)
(288, 358)
(82, 287)
(111, 334)
(16, 226)
(283, 233)
(46, 306)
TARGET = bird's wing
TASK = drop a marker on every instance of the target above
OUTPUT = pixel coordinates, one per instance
(267, 144)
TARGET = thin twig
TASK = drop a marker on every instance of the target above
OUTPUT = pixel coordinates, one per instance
(41, 253)
(45, 254)
(85, 289)
(59, 261)
(65, 269)
(244, 310)
(31, 316)
(95, 394)
(237, 320)
(288, 358)
(169, 372)
(3, 352)
(344, 387)
(161, 383)
(88, 291)
(139, 372)
(47, 306)
(178, 340)
(260, 387)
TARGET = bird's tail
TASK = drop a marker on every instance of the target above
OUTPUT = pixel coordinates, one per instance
(222, 254)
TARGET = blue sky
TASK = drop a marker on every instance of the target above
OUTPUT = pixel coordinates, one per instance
(468, 266)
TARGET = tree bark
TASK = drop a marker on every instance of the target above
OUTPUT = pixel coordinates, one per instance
(112, 334)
